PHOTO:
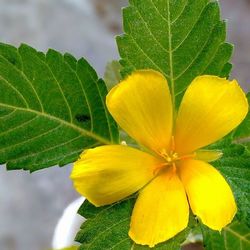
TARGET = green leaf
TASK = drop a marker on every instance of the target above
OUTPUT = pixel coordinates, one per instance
(242, 133)
(236, 236)
(107, 228)
(112, 74)
(51, 108)
(235, 166)
(182, 39)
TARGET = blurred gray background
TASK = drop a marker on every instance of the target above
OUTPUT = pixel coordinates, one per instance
(30, 205)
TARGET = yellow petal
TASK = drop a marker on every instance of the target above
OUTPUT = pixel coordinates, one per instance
(211, 108)
(110, 173)
(141, 105)
(161, 211)
(210, 196)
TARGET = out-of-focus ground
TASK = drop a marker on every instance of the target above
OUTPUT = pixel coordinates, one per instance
(30, 205)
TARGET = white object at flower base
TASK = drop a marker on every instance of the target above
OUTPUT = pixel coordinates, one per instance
(68, 226)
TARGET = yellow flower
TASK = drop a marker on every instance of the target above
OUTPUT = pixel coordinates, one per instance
(173, 173)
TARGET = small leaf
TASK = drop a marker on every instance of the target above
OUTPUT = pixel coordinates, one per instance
(182, 39)
(236, 236)
(242, 133)
(112, 74)
(235, 166)
(107, 228)
(52, 107)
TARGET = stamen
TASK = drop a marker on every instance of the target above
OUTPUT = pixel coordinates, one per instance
(186, 157)
(160, 168)
(168, 159)
(174, 168)
(172, 144)
(163, 152)
(171, 157)
(175, 156)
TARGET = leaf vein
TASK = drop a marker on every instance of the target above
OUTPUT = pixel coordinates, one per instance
(15, 89)
(19, 126)
(45, 150)
(85, 96)
(241, 237)
(60, 89)
(119, 242)
(146, 55)
(212, 58)
(31, 139)
(150, 32)
(104, 105)
(66, 155)
(29, 82)
(197, 55)
(7, 115)
(106, 230)
(157, 9)
(73, 126)
(190, 31)
(181, 12)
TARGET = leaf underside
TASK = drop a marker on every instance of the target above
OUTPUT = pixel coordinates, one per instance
(182, 39)
(52, 107)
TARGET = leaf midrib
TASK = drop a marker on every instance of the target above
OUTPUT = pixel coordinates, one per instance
(54, 118)
(170, 52)
(171, 59)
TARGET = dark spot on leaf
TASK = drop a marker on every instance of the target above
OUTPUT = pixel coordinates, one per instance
(13, 61)
(82, 118)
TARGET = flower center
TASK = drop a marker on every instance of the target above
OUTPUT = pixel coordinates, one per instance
(171, 157)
